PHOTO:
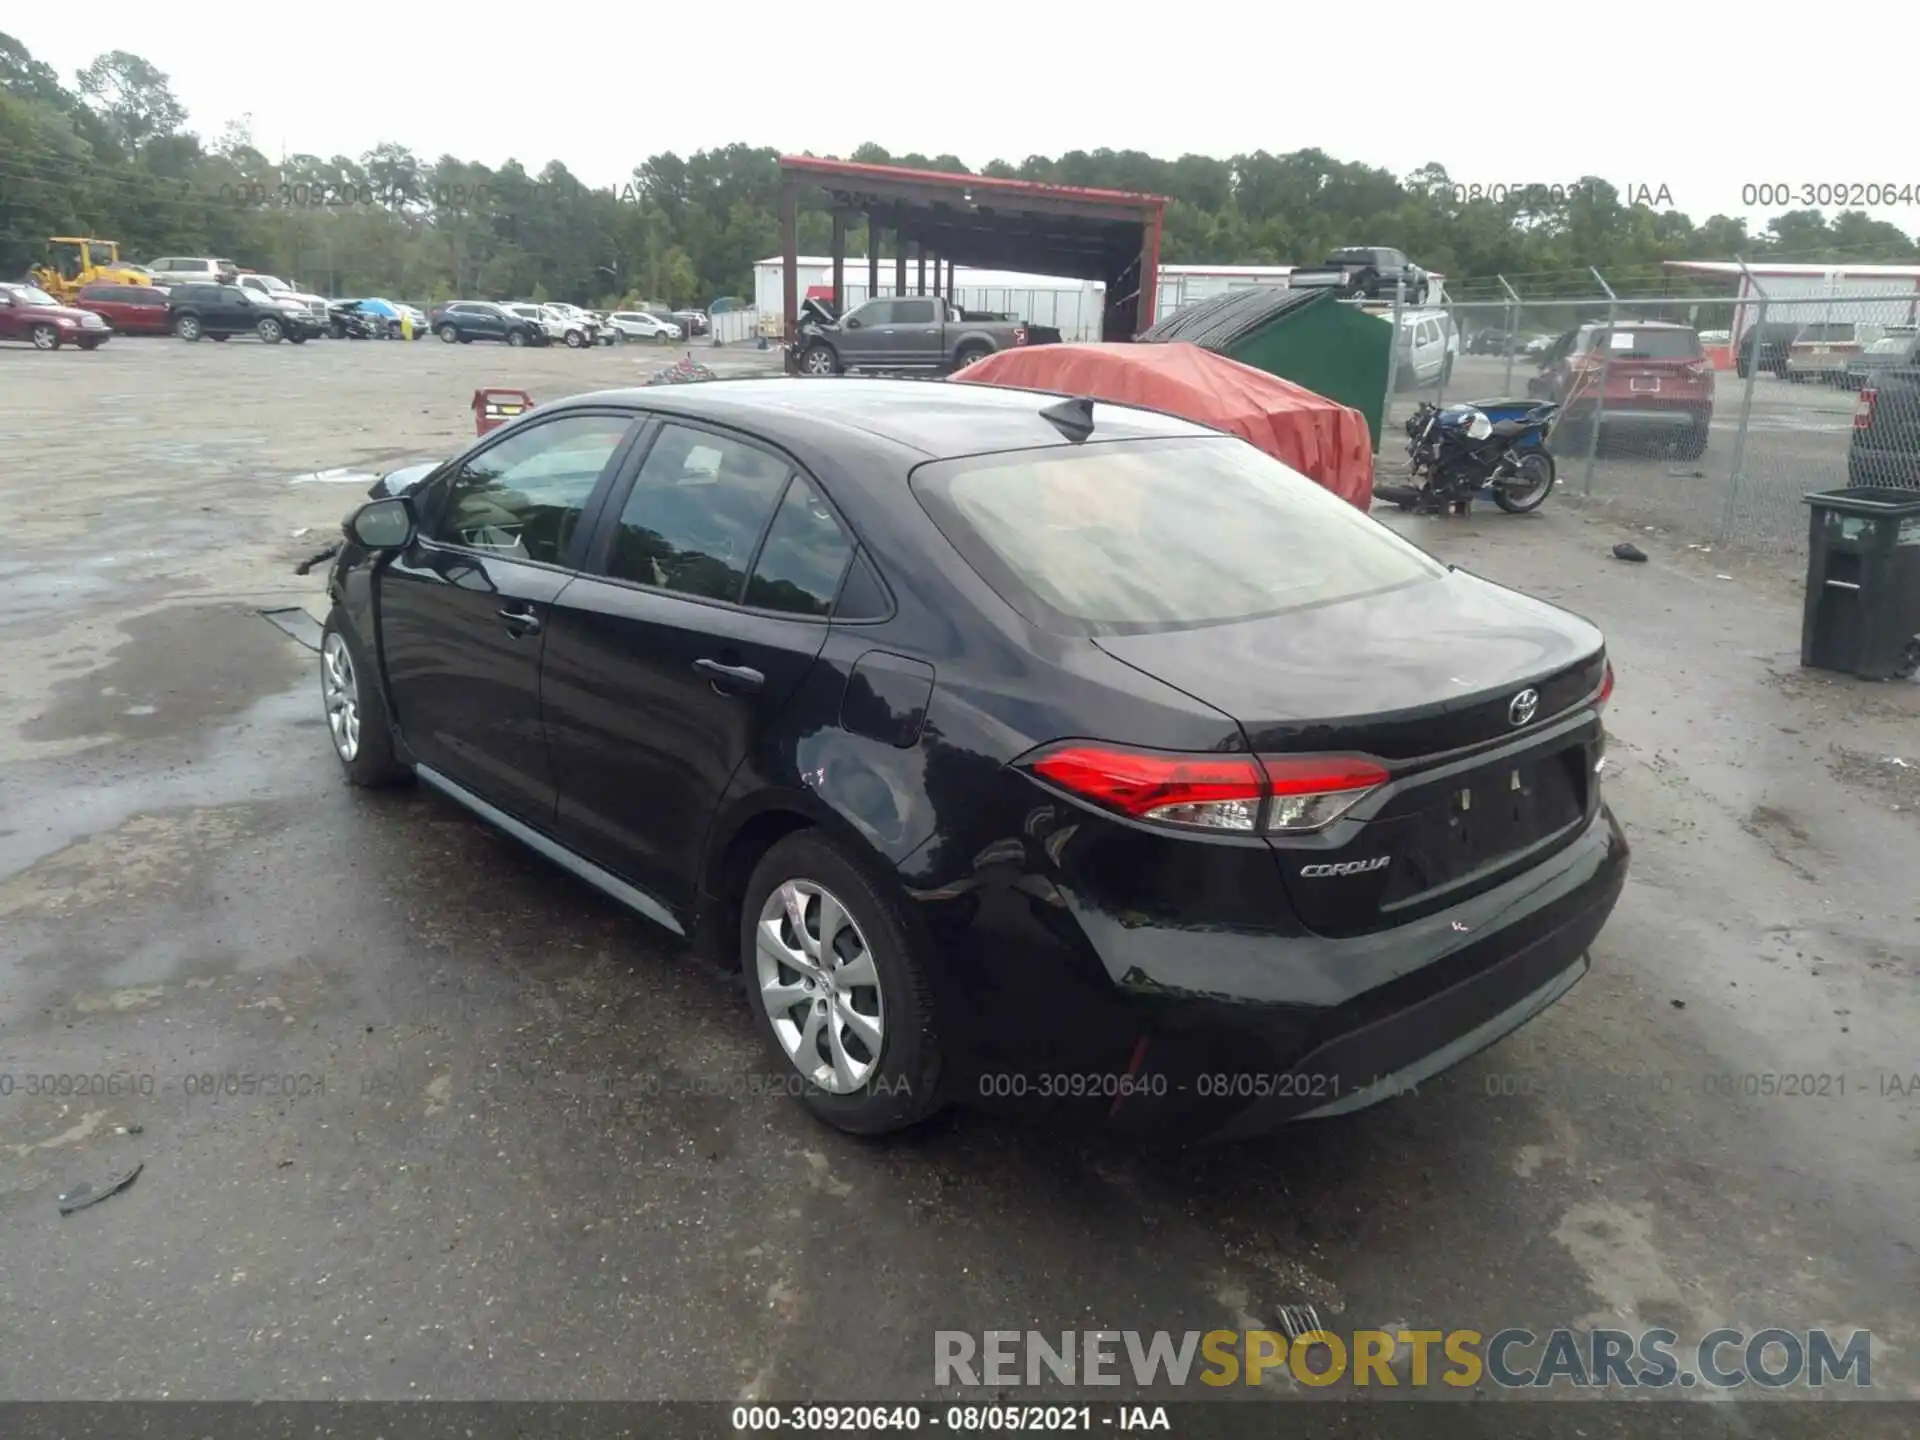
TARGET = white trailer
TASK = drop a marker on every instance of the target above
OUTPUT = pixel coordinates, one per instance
(1809, 294)
(1184, 285)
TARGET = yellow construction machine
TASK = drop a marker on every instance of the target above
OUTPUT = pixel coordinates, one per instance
(73, 261)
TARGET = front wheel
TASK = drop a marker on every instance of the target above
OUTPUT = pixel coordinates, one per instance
(356, 715)
(840, 976)
(44, 337)
(970, 355)
(516, 338)
(1530, 489)
(270, 331)
(295, 337)
(819, 360)
(575, 340)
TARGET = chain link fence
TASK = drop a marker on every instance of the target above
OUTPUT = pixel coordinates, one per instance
(1706, 417)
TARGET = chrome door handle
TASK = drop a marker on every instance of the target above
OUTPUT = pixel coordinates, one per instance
(734, 677)
(520, 622)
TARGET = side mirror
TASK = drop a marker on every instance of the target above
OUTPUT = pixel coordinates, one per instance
(382, 524)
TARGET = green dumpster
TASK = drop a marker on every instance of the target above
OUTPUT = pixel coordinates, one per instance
(1306, 336)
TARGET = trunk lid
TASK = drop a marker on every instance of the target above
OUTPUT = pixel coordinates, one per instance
(1428, 680)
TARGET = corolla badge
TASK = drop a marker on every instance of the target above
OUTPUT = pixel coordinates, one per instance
(1346, 867)
(1523, 707)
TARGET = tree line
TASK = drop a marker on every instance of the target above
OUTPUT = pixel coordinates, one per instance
(110, 156)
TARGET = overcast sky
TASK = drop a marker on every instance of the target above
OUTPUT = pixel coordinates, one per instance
(1699, 98)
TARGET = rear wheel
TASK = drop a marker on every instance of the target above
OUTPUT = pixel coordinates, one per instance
(575, 340)
(295, 337)
(1909, 665)
(970, 355)
(1534, 485)
(840, 976)
(44, 337)
(187, 327)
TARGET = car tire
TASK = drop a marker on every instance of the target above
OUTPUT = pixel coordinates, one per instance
(45, 337)
(188, 328)
(270, 331)
(355, 713)
(575, 340)
(853, 1086)
(90, 345)
(1695, 444)
(448, 334)
(818, 359)
(393, 330)
(516, 338)
(968, 355)
(295, 337)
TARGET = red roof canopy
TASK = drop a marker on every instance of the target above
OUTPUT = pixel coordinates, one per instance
(1322, 439)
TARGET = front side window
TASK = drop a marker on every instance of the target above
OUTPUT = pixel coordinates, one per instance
(523, 497)
(696, 514)
(876, 312)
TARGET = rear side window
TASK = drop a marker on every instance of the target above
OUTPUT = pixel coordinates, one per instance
(696, 514)
(913, 312)
(1159, 535)
(803, 557)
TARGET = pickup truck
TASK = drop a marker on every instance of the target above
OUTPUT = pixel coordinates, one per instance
(908, 332)
(1373, 271)
(272, 287)
(1886, 430)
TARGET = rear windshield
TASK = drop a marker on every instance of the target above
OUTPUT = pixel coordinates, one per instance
(1826, 332)
(1132, 536)
(1649, 344)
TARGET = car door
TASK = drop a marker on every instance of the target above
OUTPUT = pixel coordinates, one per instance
(865, 334)
(917, 335)
(463, 611)
(701, 608)
(12, 326)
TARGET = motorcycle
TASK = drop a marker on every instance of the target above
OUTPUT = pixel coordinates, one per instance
(1461, 450)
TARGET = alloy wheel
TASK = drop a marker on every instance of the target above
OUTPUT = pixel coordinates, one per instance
(340, 688)
(45, 337)
(820, 986)
(819, 362)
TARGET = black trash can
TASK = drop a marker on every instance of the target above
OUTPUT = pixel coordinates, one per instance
(1862, 612)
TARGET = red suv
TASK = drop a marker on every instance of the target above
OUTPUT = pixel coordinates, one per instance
(129, 309)
(1651, 375)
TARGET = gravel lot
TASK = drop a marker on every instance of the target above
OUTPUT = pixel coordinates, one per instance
(525, 1150)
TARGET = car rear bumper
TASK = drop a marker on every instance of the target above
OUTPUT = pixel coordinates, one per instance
(1213, 1033)
(1636, 414)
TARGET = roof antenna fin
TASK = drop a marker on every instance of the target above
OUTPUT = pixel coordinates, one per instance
(1072, 417)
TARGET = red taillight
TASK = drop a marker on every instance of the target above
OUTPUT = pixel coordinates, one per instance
(1019, 334)
(1287, 794)
(1696, 369)
(1606, 689)
(1863, 412)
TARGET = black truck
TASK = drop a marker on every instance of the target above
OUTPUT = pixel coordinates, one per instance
(1373, 272)
(906, 332)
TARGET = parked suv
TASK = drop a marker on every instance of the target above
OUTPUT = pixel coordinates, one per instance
(129, 309)
(470, 320)
(193, 269)
(1886, 429)
(1656, 380)
(221, 311)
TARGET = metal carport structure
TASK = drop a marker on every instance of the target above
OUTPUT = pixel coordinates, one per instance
(938, 220)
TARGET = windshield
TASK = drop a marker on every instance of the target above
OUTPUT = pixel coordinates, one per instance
(1648, 344)
(1164, 534)
(98, 254)
(1894, 346)
(272, 282)
(30, 295)
(1826, 332)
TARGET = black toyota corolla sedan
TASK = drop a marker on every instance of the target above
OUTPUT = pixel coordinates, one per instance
(1013, 748)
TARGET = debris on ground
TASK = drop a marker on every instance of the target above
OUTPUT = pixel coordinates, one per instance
(87, 1193)
(683, 371)
(1627, 550)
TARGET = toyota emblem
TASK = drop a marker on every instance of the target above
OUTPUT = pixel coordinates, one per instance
(1524, 707)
